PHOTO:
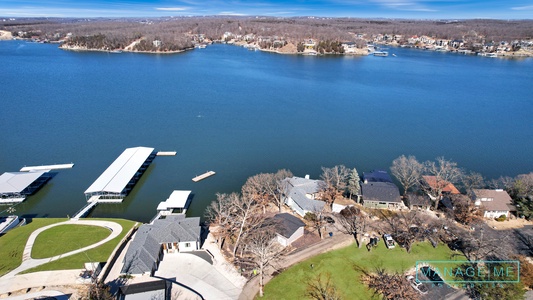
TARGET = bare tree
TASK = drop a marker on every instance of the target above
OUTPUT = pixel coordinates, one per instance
(219, 214)
(266, 188)
(276, 190)
(322, 288)
(472, 181)
(244, 212)
(354, 222)
(407, 170)
(257, 188)
(390, 286)
(445, 172)
(263, 247)
(464, 210)
(316, 219)
(480, 246)
(335, 180)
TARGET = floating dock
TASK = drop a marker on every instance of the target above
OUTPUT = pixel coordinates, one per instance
(166, 153)
(177, 203)
(47, 167)
(203, 176)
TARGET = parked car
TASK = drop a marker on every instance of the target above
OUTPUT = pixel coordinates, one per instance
(389, 242)
(432, 276)
(417, 285)
(329, 220)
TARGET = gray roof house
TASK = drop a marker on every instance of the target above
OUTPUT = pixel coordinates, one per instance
(378, 191)
(288, 228)
(173, 234)
(301, 193)
(494, 203)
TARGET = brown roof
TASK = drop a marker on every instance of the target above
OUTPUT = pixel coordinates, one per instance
(501, 201)
(447, 187)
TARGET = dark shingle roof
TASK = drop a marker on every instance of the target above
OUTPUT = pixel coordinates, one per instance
(145, 247)
(380, 191)
(377, 176)
(287, 224)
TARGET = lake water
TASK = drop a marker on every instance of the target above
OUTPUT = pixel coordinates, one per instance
(241, 112)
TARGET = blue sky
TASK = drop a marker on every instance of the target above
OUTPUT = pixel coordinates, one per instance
(418, 9)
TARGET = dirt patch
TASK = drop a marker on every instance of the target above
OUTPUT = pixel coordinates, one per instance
(508, 224)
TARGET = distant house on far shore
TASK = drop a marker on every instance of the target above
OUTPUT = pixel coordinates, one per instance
(378, 191)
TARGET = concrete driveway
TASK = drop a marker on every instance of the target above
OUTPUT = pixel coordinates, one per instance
(199, 275)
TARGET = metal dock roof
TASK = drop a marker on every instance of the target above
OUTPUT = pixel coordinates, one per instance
(16, 182)
(117, 176)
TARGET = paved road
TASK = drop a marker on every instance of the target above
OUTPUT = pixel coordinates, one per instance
(10, 282)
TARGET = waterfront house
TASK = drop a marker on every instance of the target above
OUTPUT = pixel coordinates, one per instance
(446, 187)
(288, 228)
(378, 191)
(301, 194)
(172, 234)
(493, 203)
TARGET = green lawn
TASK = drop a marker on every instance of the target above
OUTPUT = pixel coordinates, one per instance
(65, 238)
(291, 283)
(100, 254)
(12, 245)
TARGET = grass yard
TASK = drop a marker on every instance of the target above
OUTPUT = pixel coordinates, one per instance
(65, 238)
(100, 254)
(291, 283)
(12, 243)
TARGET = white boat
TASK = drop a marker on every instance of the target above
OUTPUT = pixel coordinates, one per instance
(10, 222)
(381, 53)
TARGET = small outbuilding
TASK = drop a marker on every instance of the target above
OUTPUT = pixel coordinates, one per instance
(288, 228)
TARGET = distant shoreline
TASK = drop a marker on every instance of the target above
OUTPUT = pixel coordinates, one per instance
(84, 49)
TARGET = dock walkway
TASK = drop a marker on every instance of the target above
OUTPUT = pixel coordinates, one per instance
(85, 210)
(203, 176)
(47, 167)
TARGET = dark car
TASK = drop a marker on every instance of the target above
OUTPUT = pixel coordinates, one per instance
(329, 220)
(432, 276)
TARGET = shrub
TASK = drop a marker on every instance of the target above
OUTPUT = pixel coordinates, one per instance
(501, 218)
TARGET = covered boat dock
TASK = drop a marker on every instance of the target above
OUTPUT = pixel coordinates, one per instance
(121, 176)
(15, 186)
(177, 203)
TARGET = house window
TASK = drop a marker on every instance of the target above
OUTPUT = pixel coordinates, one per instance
(187, 245)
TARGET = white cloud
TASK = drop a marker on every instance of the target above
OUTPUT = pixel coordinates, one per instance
(231, 13)
(529, 7)
(172, 8)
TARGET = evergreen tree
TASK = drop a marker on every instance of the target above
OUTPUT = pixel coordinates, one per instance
(353, 183)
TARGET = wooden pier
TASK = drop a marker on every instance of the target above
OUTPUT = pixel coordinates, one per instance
(48, 167)
(203, 176)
